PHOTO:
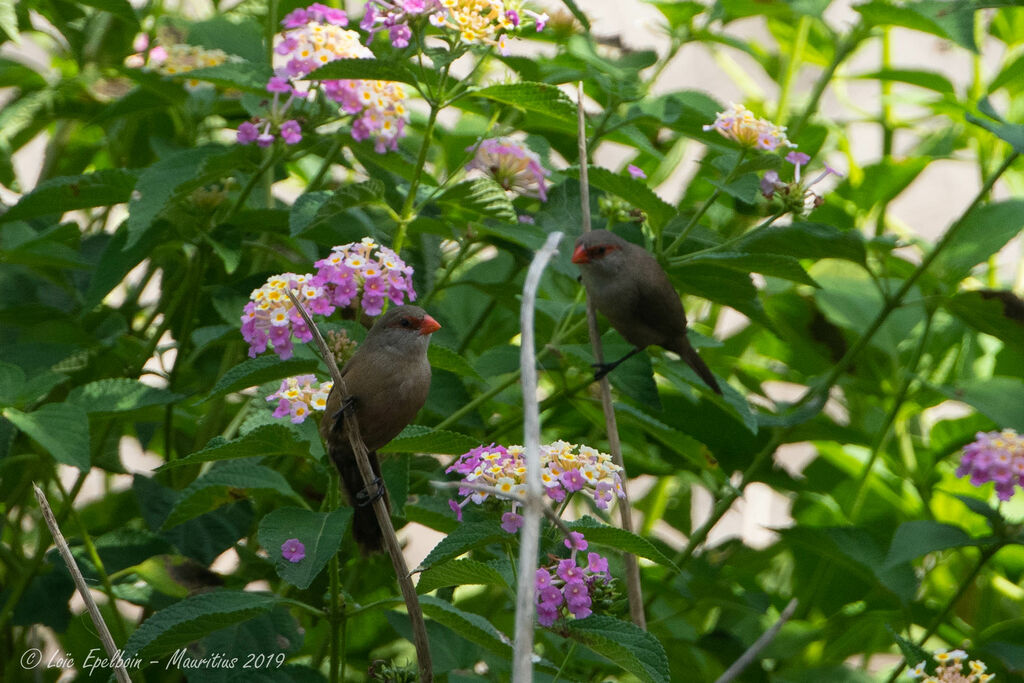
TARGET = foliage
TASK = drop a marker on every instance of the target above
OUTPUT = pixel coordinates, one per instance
(164, 200)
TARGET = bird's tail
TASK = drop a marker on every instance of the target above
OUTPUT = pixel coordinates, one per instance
(690, 356)
(364, 522)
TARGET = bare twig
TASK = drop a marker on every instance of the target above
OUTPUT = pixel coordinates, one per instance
(533, 506)
(633, 589)
(760, 644)
(484, 488)
(116, 660)
(412, 603)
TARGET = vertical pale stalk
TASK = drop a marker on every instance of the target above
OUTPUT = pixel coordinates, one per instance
(633, 589)
(522, 664)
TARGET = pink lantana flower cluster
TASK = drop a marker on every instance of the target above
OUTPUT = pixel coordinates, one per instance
(276, 124)
(177, 59)
(485, 22)
(359, 273)
(512, 165)
(950, 669)
(995, 456)
(565, 587)
(365, 271)
(299, 396)
(740, 125)
(796, 196)
(566, 468)
(315, 36)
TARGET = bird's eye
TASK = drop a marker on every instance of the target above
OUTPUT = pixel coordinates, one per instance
(406, 323)
(599, 251)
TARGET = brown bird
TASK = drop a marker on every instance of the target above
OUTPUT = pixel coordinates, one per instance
(631, 289)
(388, 379)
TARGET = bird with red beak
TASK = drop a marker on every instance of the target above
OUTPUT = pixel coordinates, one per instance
(388, 379)
(630, 288)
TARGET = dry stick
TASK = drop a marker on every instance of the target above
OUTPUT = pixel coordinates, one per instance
(747, 658)
(636, 596)
(116, 661)
(526, 593)
(412, 603)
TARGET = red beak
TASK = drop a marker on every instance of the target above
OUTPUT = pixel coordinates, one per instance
(580, 255)
(429, 325)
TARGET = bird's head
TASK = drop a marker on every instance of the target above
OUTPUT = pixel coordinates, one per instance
(403, 328)
(599, 250)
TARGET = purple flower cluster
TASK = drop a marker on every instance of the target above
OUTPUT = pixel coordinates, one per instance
(566, 468)
(299, 395)
(796, 196)
(513, 165)
(565, 587)
(394, 17)
(293, 550)
(362, 272)
(997, 457)
(261, 129)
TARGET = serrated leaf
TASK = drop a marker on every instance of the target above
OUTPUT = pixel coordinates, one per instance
(272, 439)
(806, 240)
(363, 69)
(983, 232)
(60, 428)
(999, 313)
(219, 487)
(464, 572)
(473, 627)
(922, 536)
(774, 265)
(321, 208)
(999, 398)
(659, 212)
(119, 395)
(481, 196)
(192, 618)
(633, 649)
(115, 263)
(467, 535)
(67, 193)
(243, 75)
(422, 439)
(547, 102)
(620, 539)
(912, 652)
(259, 370)
(443, 358)
(320, 532)
(12, 381)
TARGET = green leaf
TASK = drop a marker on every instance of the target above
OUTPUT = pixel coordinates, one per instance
(60, 428)
(271, 439)
(982, 233)
(464, 572)
(330, 207)
(635, 650)
(922, 536)
(912, 652)
(659, 212)
(121, 9)
(480, 196)
(241, 37)
(422, 439)
(996, 312)
(320, 532)
(620, 539)
(260, 370)
(806, 240)
(467, 535)
(443, 358)
(67, 193)
(950, 20)
(775, 265)
(999, 398)
(115, 263)
(995, 520)
(12, 381)
(192, 618)
(929, 80)
(473, 627)
(245, 76)
(9, 22)
(546, 103)
(220, 486)
(119, 395)
(364, 69)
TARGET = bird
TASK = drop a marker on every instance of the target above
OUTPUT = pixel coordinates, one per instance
(388, 379)
(629, 286)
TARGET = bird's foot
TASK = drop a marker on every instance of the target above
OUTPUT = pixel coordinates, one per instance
(348, 409)
(365, 498)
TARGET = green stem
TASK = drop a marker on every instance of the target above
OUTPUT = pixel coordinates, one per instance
(767, 223)
(986, 555)
(335, 614)
(465, 252)
(886, 121)
(410, 200)
(270, 157)
(568, 658)
(843, 49)
(796, 54)
(325, 165)
(681, 237)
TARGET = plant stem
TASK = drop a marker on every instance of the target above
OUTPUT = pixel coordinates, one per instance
(325, 166)
(334, 611)
(843, 49)
(681, 237)
(410, 200)
(796, 54)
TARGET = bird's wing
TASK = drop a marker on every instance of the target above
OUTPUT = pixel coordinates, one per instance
(658, 300)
